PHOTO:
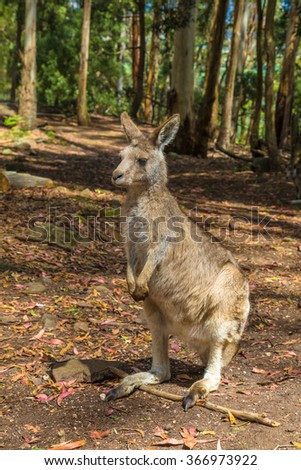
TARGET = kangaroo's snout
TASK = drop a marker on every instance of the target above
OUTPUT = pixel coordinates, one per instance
(117, 176)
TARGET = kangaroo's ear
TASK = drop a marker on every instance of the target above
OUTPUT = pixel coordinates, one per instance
(130, 129)
(166, 132)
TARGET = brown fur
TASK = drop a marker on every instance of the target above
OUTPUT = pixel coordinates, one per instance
(191, 287)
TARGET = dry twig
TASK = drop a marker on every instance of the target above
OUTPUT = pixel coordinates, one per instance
(241, 414)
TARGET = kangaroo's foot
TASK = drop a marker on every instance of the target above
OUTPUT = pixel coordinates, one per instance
(199, 391)
(129, 383)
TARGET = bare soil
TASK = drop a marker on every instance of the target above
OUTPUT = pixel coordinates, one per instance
(82, 285)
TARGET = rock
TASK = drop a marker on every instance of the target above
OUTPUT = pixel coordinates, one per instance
(25, 180)
(81, 326)
(54, 235)
(5, 319)
(49, 321)
(35, 288)
(102, 290)
(83, 370)
(87, 193)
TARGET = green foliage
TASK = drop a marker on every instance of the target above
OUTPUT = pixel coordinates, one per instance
(12, 121)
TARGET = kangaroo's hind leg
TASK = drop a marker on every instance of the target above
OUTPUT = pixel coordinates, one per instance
(160, 370)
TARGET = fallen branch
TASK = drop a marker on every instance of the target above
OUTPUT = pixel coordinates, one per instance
(231, 154)
(241, 414)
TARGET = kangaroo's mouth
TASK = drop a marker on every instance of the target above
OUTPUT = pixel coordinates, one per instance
(119, 180)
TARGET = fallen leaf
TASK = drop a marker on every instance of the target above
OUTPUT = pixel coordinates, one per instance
(189, 437)
(296, 444)
(68, 445)
(64, 393)
(232, 419)
(169, 442)
(256, 370)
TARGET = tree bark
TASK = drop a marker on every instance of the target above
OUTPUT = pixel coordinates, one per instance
(135, 50)
(28, 96)
(138, 96)
(182, 90)
(215, 43)
(82, 110)
(270, 129)
(226, 123)
(254, 135)
(16, 58)
(152, 67)
(286, 87)
(245, 34)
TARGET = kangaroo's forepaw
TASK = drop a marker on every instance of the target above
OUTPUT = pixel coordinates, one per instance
(140, 293)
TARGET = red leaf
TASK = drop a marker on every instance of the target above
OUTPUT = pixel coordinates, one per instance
(256, 370)
(169, 442)
(38, 335)
(43, 398)
(175, 347)
(64, 393)
(68, 445)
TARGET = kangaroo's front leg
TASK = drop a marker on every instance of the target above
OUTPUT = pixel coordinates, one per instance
(160, 370)
(141, 289)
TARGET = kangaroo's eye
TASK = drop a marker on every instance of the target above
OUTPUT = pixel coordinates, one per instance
(142, 161)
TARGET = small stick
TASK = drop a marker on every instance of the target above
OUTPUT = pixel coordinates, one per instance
(241, 414)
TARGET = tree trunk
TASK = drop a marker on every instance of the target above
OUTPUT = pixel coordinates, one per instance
(28, 96)
(135, 51)
(182, 91)
(245, 33)
(213, 128)
(120, 83)
(152, 67)
(270, 129)
(286, 86)
(16, 58)
(138, 97)
(215, 44)
(254, 136)
(82, 110)
(226, 124)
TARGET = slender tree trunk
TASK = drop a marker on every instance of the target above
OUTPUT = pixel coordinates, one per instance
(120, 84)
(152, 66)
(135, 51)
(286, 86)
(82, 110)
(16, 58)
(138, 97)
(225, 130)
(182, 90)
(270, 129)
(28, 96)
(215, 45)
(242, 56)
(254, 135)
(213, 128)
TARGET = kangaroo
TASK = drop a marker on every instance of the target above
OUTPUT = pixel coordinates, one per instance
(191, 287)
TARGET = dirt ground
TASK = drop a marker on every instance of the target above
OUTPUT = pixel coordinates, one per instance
(81, 286)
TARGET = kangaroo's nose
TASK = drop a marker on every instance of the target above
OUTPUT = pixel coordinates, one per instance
(117, 175)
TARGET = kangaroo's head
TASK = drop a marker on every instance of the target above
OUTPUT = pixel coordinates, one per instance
(142, 161)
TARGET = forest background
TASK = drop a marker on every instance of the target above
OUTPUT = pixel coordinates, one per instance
(230, 68)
